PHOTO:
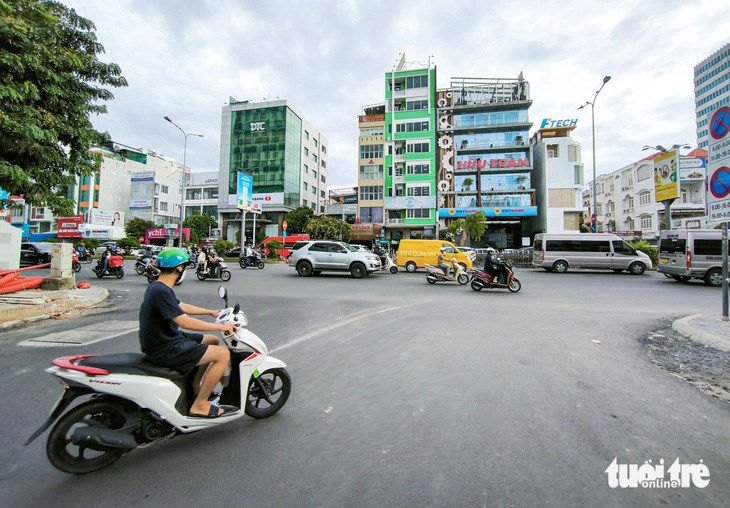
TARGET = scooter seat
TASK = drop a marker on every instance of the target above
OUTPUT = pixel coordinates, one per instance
(131, 363)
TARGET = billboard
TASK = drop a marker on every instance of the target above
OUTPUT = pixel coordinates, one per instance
(142, 194)
(106, 218)
(666, 176)
(244, 192)
(69, 227)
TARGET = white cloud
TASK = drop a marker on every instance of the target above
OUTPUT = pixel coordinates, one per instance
(328, 58)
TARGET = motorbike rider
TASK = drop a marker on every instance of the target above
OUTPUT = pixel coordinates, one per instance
(164, 344)
(492, 265)
(211, 261)
(105, 259)
(81, 249)
(442, 261)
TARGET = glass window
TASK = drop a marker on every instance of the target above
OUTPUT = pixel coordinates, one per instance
(620, 247)
(306, 186)
(671, 245)
(371, 172)
(370, 192)
(418, 213)
(210, 192)
(194, 193)
(371, 151)
(417, 169)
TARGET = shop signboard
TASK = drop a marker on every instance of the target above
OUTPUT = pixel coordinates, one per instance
(489, 211)
(68, 227)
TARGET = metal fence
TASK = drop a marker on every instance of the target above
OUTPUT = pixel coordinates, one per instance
(519, 259)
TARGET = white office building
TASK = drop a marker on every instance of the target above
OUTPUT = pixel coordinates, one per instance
(712, 89)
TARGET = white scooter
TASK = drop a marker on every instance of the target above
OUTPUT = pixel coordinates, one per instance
(435, 274)
(388, 264)
(135, 403)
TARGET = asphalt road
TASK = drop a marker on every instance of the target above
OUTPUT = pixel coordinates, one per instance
(405, 394)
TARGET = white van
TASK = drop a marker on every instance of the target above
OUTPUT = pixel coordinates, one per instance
(686, 254)
(561, 251)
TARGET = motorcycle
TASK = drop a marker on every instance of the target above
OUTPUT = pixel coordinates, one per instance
(435, 274)
(153, 273)
(75, 265)
(133, 403)
(142, 263)
(193, 259)
(387, 263)
(482, 279)
(252, 260)
(115, 267)
(219, 271)
(84, 257)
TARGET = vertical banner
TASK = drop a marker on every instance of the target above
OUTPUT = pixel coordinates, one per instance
(718, 173)
(666, 176)
(244, 191)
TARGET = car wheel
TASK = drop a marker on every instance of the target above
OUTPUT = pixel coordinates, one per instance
(411, 267)
(713, 278)
(358, 271)
(304, 269)
(560, 266)
(637, 268)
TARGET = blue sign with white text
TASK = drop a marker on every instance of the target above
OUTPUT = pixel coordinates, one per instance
(489, 211)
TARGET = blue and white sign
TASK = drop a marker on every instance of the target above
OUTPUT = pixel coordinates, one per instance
(489, 211)
(244, 191)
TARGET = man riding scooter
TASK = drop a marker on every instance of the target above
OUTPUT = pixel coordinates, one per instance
(493, 266)
(441, 262)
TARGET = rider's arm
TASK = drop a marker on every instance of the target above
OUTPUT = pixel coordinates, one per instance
(197, 325)
(197, 311)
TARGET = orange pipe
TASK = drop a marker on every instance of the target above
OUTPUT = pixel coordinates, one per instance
(25, 283)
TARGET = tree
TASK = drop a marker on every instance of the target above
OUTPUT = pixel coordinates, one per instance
(296, 220)
(328, 228)
(128, 243)
(50, 83)
(136, 227)
(199, 226)
(475, 226)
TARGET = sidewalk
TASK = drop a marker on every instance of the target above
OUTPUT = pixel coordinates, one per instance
(706, 329)
(37, 304)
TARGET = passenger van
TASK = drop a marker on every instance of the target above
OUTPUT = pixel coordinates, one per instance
(560, 252)
(414, 254)
(686, 254)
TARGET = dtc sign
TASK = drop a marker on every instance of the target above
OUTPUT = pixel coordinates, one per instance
(258, 126)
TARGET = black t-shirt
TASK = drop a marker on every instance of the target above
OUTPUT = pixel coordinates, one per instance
(157, 330)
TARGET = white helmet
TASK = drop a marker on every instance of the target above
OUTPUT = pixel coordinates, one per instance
(491, 250)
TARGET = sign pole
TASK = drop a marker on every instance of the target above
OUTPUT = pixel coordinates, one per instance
(724, 273)
(243, 228)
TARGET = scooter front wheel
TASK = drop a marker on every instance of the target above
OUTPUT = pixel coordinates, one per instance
(77, 458)
(514, 285)
(462, 279)
(268, 393)
(225, 275)
(260, 265)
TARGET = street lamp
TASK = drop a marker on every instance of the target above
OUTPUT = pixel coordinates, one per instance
(182, 178)
(592, 103)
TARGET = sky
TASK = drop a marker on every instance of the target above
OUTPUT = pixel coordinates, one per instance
(185, 58)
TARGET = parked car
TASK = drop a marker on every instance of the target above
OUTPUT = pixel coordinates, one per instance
(233, 253)
(469, 251)
(315, 256)
(102, 247)
(526, 250)
(35, 253)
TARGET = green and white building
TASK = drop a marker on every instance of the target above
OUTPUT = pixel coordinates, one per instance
(284, 153)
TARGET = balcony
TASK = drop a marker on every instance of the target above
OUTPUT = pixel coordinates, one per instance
(389, 221)
(399, 178)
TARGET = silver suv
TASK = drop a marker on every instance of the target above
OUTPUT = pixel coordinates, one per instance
(314, 256)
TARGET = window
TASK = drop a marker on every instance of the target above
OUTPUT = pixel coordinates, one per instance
(306, 134)
(417, 81)
(314, 190)
(643, 173)
(210, 193)
(411, 127)
(323, 163)
(621, 247)
(38, 213)
(163, 206)
(306, 151)
(420, 190)
(577, 175)
(371, 151)
(321, 193)
(645, 198)
(417, 169)
(418, 213)
(314, 174)
(306, 169)
(324, 149)
(708, 247)
(646, 222)
(314, 157)
(304, 202)
(194, 193)
(573, 153)
(315, 142)
(370, 192)
(306, 186)
(371, 172)
(417, 147)
(164, 189)
(416, 105)
(630, 203)
(552, 151)
(210, 210)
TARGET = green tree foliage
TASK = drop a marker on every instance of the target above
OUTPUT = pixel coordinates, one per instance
(274, 247)
(136, 227)
(221, 246)
(475, 226)
(456, 228)
(199, 225)
(328, 228)
(296, 220)
(128, 243)
(51, 81)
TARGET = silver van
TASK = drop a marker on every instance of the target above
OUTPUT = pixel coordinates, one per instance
(686, 254)
(561, 251)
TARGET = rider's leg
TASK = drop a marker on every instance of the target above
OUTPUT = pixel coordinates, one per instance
(209, 340)
(216, 359)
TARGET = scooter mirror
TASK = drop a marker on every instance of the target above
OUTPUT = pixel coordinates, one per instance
(223, 294)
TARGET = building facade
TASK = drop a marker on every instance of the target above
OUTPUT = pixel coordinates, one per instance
(712, 89)
(201, 194)
(485, 162)
(369, 199)
(558, 178)
(285, 155)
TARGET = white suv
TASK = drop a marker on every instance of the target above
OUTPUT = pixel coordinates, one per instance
(314, 256)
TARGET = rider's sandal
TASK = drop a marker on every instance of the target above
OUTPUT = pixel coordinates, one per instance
(213, 412)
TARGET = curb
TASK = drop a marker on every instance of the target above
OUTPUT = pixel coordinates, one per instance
(683, 327)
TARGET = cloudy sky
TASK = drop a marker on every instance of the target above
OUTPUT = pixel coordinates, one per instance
(185, 58)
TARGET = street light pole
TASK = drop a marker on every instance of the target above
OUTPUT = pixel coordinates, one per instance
(606, 79)
(182, 178)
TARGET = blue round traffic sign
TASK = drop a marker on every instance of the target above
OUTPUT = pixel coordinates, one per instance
(720, 123)
(720, 182)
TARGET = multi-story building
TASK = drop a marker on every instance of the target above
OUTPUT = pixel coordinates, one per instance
(712, 89)
(409, 189)
(284, 153)
(485, 162)
(371, 173)
(626, 198)
(201, 194)
(558, 178)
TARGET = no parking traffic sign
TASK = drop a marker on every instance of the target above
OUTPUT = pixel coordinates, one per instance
(718, 175)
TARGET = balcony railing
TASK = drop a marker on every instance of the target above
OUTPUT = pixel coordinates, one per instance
(395, 221)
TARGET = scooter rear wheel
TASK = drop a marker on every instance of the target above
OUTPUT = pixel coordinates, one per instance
(277, 385)
(78, 459)
(431, 279)
(393, 270)
(477, 285)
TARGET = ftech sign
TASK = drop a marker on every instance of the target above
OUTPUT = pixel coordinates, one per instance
(552, 124)
(258, 126)
(494, 163)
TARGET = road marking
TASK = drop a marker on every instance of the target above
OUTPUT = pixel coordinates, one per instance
(84, 335)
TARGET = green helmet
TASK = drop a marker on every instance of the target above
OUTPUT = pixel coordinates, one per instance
(172, 257)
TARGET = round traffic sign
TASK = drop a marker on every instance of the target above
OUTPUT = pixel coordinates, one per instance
(720, 123)
(720, 182)
(284, 225)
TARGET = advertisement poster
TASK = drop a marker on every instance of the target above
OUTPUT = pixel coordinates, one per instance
(244, 191)
(68, 227)
(106, 218)
(666, 176)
